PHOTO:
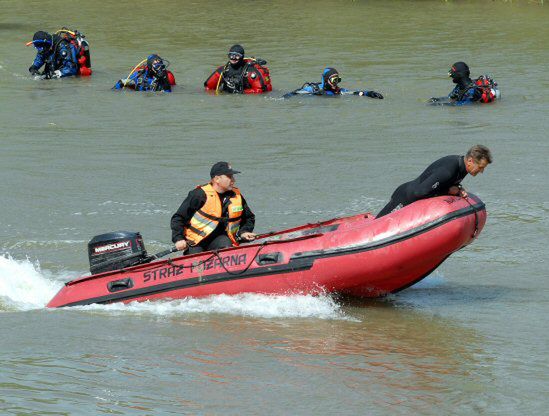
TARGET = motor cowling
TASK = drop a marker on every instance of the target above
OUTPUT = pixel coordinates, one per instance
(116, 250)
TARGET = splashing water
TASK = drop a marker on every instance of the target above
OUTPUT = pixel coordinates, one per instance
(245, 304)
(23, 286)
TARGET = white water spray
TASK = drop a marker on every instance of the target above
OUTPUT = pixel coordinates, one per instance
(245, 304)
(23, 285)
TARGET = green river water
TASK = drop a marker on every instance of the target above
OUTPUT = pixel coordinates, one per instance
(78, 159)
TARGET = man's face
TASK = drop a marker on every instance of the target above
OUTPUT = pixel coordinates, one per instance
(158, 67)
(41, 46)
(473, 167)
(235, 57)
(225, 182)
(334, 80)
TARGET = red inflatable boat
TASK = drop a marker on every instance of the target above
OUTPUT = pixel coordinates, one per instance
(356, 256)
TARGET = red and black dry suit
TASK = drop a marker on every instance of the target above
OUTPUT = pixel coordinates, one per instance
(436, 180)
(248, 76)
(218, 238)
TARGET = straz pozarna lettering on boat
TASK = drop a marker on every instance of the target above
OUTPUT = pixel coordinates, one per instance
(198, 267)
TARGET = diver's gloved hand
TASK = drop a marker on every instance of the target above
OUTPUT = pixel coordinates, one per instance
(127, 82)
(34, 70)
(56, 74)
(373, 94)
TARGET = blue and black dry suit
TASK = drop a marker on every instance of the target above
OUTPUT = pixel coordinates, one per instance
(153, 77)
(56, 55)
(328, 86)
(465, 92)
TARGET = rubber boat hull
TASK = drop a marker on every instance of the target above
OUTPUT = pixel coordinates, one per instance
(356, 256)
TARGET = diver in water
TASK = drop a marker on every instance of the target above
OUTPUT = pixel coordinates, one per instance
(240, 75)
(56, 54)
(153, 76)
(483, 89)
(329, 86)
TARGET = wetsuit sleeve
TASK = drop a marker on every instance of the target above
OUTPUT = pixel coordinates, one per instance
(38, 61)
(129, 82)
(437, 183)
(247, 222)
(365, 93)
(454, 94)
(305, 89)
(194, 201)
(211, 82)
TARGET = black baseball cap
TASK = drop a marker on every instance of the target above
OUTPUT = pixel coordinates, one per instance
(222, 168)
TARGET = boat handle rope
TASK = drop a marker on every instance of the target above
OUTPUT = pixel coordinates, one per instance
(215, 253)
(475, 233)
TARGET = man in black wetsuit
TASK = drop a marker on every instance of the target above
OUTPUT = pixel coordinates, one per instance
(214, 215)
(442, 177)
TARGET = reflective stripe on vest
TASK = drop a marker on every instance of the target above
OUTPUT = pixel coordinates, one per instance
(206, 219)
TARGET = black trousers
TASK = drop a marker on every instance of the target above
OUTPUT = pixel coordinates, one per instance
(398, 200)
(215, 243)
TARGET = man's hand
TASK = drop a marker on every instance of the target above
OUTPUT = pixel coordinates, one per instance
(127, 82)
(457, 191)
(246, 236)
(454, 190)
(182, 245)
(34, 70)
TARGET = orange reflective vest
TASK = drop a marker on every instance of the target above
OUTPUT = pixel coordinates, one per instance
(206, 219)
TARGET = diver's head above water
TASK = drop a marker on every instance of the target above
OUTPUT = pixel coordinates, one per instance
(42, 41)
(330, 79)
(459, 72)
(236, 56)
(156, 65)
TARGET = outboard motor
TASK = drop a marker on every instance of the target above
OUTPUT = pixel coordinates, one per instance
(116, 250)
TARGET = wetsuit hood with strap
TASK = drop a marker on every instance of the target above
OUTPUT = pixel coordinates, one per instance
(325, 84)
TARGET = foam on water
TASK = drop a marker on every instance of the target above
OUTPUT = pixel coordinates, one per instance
(23, 285)
(245, 304)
